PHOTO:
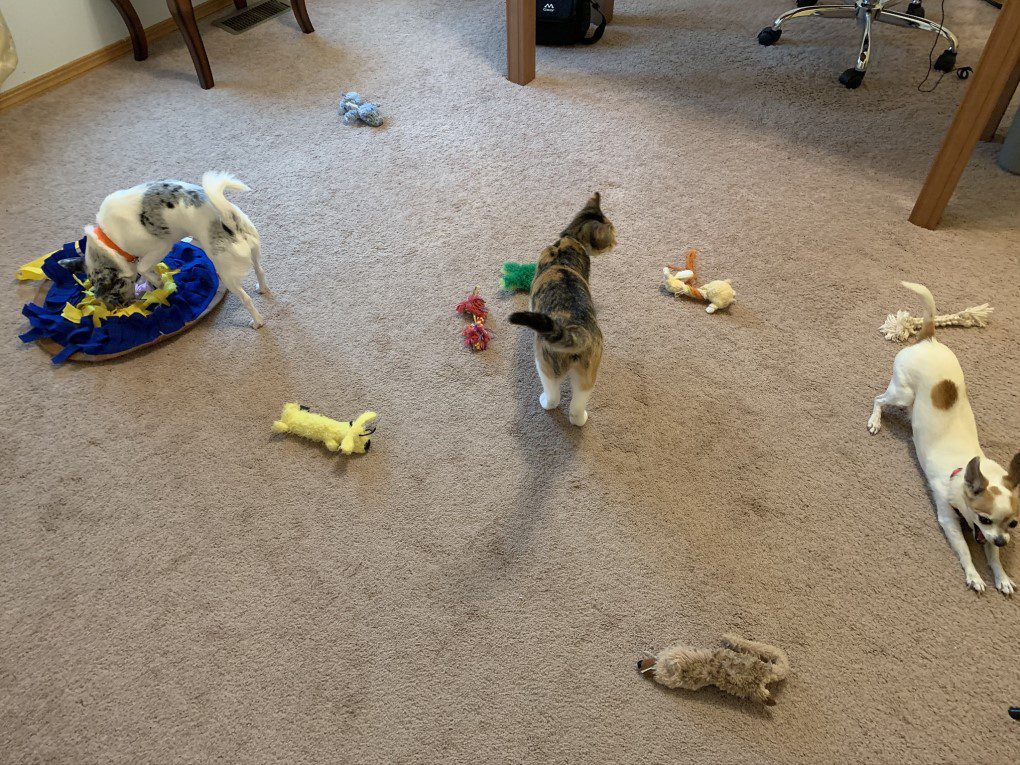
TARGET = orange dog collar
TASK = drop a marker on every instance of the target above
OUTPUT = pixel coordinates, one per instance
(102, 237)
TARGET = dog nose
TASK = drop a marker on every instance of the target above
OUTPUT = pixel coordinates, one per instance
(1000, 542)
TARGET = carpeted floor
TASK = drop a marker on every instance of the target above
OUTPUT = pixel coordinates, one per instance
(178, 585)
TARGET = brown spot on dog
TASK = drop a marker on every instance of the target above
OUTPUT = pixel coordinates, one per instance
(944, 394)
(994, 491)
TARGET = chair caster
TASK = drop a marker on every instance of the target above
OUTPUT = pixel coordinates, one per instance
(946, 62)
(851, 78)
(769, 36)
(806, 3)
(915, 9)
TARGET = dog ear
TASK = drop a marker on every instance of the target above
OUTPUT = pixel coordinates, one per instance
(1013, 479)
(973, 479)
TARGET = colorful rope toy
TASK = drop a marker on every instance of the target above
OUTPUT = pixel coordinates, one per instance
(718, 294)
(475, 334)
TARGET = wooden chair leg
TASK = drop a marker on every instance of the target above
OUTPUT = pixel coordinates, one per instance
(607, 9)
(184, 14)
(301, 14)
(139, 44)
(999, 61)
(520, 41)
(1000, 107)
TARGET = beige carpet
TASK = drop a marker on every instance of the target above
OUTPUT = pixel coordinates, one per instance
(178, 585)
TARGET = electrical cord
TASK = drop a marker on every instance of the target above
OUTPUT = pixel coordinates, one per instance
(962, 72)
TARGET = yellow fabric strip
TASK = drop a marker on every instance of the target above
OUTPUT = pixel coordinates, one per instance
(32, 272)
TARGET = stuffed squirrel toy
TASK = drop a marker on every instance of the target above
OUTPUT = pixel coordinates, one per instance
(354, 437)
(718, 294)
(740, 667)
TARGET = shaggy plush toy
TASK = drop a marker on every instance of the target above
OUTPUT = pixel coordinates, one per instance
(517, 277)
(354, 109)
(348, 437)
(718, 294)
(901, 326)
(740, 667)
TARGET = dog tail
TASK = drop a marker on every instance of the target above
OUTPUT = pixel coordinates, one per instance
(566, 337)
(215, 184)
(928, 324)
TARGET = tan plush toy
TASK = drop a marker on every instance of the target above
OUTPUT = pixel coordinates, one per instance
(354, 437)
(718, 294)
(739, 667)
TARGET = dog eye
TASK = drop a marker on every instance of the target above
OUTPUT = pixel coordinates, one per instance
(985, 520)
(1012, 524)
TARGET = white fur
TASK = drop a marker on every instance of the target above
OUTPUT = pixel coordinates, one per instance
(233, 256)
(946, 440)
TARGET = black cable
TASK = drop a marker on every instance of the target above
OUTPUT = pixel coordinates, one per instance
(963, 72)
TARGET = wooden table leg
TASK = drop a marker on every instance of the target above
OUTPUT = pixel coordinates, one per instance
(184, 14)
(998, 63)
(520, 41)
(139, 44)
(1000, 107)
(301, 14)
(607, 9)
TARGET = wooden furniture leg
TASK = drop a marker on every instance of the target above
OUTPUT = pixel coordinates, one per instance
(240, 4)
(520, 41)
(607, 9)
(1000, 107)
(998, 64)
(184, 14)
(139, 44)
(301, 14)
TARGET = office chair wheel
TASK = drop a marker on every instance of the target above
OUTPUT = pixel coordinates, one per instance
(806, 3)
(946, 62)
(915, 9)
(769, 36)
(851, 78)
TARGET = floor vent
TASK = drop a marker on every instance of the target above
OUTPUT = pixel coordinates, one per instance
(243, 20)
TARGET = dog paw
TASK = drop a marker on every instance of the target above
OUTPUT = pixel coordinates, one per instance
(1005, 585)
(546, 403)
(256, 324)
(263, 290)
(875, 424)
(975, 582)
(580, 419)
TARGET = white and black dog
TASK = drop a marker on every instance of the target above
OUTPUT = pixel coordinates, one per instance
(135, 229)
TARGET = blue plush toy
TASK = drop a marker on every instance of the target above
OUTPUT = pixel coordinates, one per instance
(354, 109)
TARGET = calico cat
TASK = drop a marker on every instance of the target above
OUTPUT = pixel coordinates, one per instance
(568, 340)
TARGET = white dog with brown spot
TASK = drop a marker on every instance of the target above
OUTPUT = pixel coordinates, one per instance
(967, 485)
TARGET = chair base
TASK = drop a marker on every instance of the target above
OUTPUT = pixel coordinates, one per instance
(867, 13)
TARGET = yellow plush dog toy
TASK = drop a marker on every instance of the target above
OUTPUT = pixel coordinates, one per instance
(354, 437)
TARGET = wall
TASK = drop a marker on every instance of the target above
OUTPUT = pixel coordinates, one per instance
(51, 33)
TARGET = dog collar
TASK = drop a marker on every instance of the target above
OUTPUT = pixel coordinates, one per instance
(102, 237)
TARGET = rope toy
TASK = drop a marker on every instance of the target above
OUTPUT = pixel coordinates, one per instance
(718, 294)
(354, 110)
(740, 667)
(352, 437)
(517, 277)
(901, 326)
(475, 334)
